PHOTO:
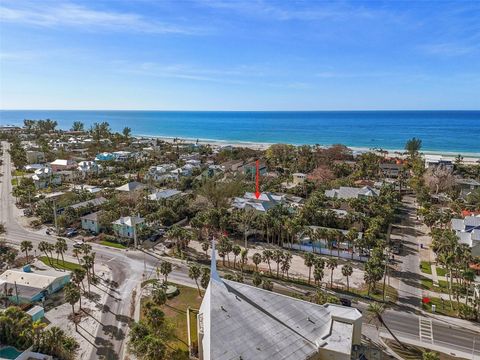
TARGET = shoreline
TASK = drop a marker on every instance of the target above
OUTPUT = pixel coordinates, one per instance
(468, 157)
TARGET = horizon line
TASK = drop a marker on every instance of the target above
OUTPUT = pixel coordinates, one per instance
(179, 110)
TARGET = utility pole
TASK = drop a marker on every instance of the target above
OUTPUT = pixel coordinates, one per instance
(55, 215)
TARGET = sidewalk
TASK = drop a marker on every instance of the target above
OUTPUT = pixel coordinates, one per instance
(435, 347)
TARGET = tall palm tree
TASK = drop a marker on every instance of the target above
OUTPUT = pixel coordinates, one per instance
(347, 270)
(267, 256)
(377, 310)
(43, 247)
(257, 259)
(60, 248)
(72, 296)
(332, 263)
(26, 246)
(194, 273)
(277, 257)
(309, 262)
(236, 249)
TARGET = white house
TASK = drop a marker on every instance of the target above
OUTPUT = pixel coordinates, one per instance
(468, 232)
(88, 167)
(347, 192)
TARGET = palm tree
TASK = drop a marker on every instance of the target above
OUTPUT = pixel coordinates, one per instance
(351, 236)
(277, 257)
(347, 270)
(257, 259)
(309, 262)
(87, 265)
(72, 296)
(430, 355)
(78, 275)
(194, 273)
(257, 279)
(26, 246)
(165, 269)
(236, 249)
(243, 258)
(43, 247)
(60, 248)
(318, 274)
(377, 310)
(159, 296)
(205, 247)
(76, 252)
(332, 263)
(267, 256)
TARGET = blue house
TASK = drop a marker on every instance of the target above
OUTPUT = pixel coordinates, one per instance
(105, 156)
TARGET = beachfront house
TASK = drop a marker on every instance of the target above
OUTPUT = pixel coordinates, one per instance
(91, 222)
(240, 321)
(347, 192)
(438, 161)
(128, 226)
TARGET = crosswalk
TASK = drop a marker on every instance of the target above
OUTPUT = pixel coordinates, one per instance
(425, 329)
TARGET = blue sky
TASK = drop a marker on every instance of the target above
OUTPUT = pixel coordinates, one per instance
(239, 55)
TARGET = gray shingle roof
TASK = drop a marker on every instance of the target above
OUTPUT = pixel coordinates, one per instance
(251, 323)
(94, 202)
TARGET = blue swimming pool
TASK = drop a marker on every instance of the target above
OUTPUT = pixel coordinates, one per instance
(9, 353)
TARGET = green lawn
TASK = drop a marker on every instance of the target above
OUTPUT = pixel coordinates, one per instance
(427, 284)
(60, 264)
(176, 311)
(426, 267)
(441, 307)
(113, 244)
(19, 173)
(441, 271)
(377, 292)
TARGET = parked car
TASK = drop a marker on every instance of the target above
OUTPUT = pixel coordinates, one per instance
(77, 244)
(71, 232)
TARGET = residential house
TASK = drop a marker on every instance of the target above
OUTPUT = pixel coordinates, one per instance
(232, 165)
(88, 167)
(468, 232)
(438, 160)
(62, 165)
(35, 157)
(391, 170)
(347, 192)
(91, 222)
(131, 187)
(160, 172)
(33, 283)
(250, 169)
(166, 194)
(265, 201)
(89, 204)
(105, 156)
(45, 177)
(299, 178)
(467, 186)
(122, 155)
(126, 227)
(240, 321)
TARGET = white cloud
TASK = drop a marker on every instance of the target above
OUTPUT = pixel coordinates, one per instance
(88, 19)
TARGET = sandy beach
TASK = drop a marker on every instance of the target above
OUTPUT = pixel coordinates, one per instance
(468, 158)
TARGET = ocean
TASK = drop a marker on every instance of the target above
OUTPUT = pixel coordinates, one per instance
(441, 131)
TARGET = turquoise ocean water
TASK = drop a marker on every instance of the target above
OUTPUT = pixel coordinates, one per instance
(442, 131)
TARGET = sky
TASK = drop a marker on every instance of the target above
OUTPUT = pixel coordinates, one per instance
(239, 55)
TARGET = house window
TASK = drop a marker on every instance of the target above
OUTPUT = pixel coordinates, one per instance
(200, 323)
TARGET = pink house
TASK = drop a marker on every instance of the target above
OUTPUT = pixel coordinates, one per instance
(61, 165)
